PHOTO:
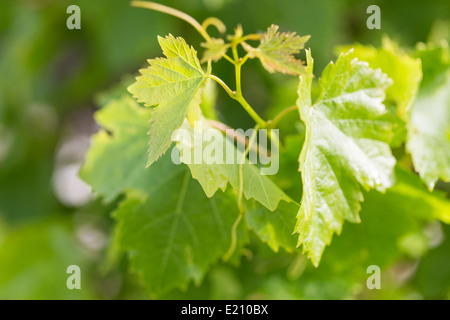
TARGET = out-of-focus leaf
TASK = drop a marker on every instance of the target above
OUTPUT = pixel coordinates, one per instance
(433, 273)
(429, 127)
(274, 228)
(173, 231)
(214, 50)
(116, 160)
(216, 163)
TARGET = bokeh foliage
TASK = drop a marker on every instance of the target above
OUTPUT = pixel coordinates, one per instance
(49, 88)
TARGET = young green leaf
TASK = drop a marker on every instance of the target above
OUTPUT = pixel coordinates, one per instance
(172, 86)
(277, 51)
(429, 127)
(214, 161)
(215, 50)
(346, 146)
(171, 229)
(404, 70)
(116, 159)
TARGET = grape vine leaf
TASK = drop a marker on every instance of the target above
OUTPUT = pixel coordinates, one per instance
(215, 50)
(209, 99)
(276, 51)
(431, 278)
(429, 126)
(214, 161)
(346, 146)
(116, 159)
(435, 58)
(175, 233)
(172, 231)
(403, 69)
(172, 85)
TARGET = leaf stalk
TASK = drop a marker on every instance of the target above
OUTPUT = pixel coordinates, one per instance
(173, 12)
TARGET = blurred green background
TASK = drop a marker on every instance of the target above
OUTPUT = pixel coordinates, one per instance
(49, 85)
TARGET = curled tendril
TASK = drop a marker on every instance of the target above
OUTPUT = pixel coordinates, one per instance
(220, 26)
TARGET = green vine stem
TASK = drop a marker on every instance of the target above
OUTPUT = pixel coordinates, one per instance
(173, 12)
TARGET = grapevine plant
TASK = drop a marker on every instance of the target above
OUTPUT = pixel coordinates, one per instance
(177, 220)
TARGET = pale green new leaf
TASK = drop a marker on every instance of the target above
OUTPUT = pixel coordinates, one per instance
(214, 161)
(172, 86)
(403, 69)
(346, 146)
(429, 126)
(116, 159)
(277, 51)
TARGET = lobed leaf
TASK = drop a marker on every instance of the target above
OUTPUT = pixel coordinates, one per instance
(208, 164)
(346, 146)
(172, 231)
(172, 86)
(215, 50)
(429, 126)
